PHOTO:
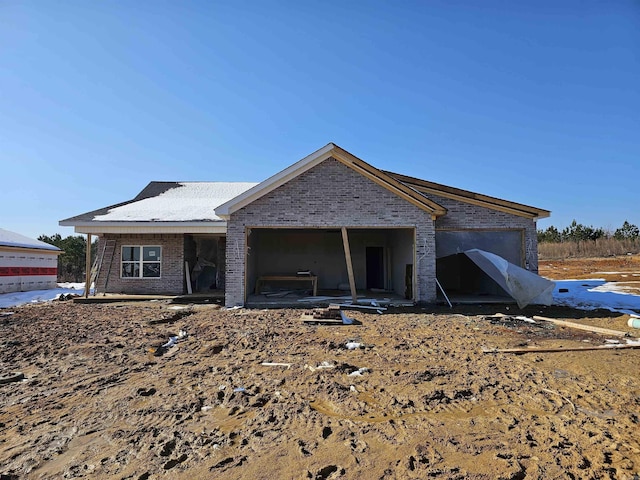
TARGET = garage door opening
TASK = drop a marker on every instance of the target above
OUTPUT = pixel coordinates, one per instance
(462, 280)
(465, 282)
(285, 265)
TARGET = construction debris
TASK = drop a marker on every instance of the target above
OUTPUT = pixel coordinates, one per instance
(332, 315)
(560, 349)
(580, 326)
(12, 377)
(324, 365)
(276, 364)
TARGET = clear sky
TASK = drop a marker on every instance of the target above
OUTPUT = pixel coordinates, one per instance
(532, 101)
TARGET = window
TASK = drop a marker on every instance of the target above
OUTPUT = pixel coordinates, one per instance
(141, 261)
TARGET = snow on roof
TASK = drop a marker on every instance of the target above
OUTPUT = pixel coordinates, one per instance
(12, 239)
(188, 201)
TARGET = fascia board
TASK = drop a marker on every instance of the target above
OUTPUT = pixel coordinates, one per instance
(473, 198)
(98, 228)
(123, 223)
(275, 181)
(42, 251)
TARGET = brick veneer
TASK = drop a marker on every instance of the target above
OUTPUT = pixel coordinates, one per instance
(330, 195)
(171, 281)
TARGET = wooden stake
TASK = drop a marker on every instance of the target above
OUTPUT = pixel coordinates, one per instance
(580, 326)
(347, 255)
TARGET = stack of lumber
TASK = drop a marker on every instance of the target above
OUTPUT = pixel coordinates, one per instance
(331, 312)
(332, 315)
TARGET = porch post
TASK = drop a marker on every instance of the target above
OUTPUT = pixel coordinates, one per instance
(87, 267)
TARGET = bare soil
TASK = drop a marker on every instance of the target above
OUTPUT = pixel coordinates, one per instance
(100, 399)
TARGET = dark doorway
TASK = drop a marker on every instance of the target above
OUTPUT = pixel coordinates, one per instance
(375, 267)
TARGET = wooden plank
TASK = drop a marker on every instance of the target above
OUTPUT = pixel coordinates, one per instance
(561, 349)
(347, 255)
(188, 277)
(347, 306)
(579, 326)
(276, 364)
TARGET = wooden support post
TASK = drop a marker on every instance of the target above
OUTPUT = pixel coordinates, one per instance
(347, 255)
(87, 266)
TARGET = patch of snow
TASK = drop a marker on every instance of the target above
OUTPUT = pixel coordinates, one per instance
(14, 299)
(12, 239)
(190, 201)
(595, 293)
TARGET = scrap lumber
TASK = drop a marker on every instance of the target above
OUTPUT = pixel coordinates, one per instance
(560, 349)
(332, 311)
(11, 377)
(579, 326)
(311, 320)
(331, 315)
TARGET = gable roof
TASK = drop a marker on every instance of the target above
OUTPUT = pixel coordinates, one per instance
(330, 150)
(15, 240)
(204, 207)
(163, 205)
(473, 198)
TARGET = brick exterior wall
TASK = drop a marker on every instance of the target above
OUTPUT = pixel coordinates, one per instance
(330, 195)
(465, 216)
(171, 281)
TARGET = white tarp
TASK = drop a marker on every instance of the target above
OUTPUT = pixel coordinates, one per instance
(524, 286)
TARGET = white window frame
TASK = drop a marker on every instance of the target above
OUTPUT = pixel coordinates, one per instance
(141, 262)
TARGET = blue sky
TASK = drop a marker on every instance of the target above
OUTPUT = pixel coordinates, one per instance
(532, 101)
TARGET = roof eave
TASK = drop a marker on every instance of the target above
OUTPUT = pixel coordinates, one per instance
(97, 227)
(473, 198)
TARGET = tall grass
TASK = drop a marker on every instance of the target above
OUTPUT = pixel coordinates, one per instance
(602, 247)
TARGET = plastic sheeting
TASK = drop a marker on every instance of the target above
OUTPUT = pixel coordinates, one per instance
(524, 286)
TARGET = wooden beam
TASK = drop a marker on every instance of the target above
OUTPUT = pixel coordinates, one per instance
(87, 266)
(347, 256)
(580, 326)
(560, 349)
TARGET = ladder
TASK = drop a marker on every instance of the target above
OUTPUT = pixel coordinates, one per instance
(107, 252)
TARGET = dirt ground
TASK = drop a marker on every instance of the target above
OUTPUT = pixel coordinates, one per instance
(100, 399)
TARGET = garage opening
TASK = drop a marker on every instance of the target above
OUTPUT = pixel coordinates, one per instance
(285, 265)
(461, 278)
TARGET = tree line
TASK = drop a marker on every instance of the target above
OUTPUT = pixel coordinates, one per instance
(576, 232)
(71, 263)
